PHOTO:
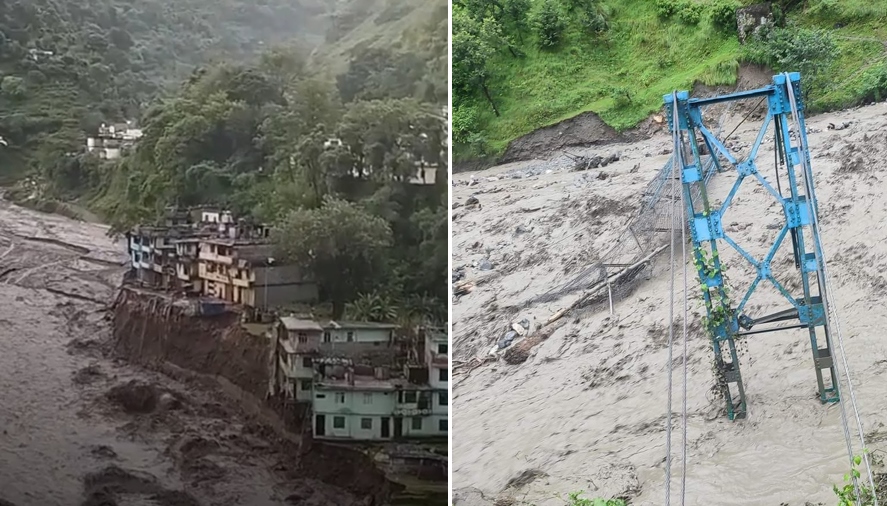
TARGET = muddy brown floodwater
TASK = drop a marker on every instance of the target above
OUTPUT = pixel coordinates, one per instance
(82, 429)
(587, 409)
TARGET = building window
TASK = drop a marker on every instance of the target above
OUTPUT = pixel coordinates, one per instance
(350, 336)
(303, 337)
(409, 397)
(416, 423)
(340, 398)
(366, 423)
(339, 422)
(367, 398)
(442, 425)
(306, 362)
(442, 348)
(305, 385)
(441, 398)
(442, 375)
(321, 396)
(327, 337)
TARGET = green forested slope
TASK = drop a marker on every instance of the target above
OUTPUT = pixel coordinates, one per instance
(542, 61)
(236, 100)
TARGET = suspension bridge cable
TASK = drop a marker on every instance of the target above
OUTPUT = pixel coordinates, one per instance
(830, 313)
(685, 354)
(669, 367)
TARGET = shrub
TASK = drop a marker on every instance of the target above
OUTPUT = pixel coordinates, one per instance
(793, 49)
(550, 24)
(621, 96)
(723, 15)
(667, 8)
(874, 84)
(576, 499)
(691, 12)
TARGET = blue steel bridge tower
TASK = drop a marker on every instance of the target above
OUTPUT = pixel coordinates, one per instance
(726, 320)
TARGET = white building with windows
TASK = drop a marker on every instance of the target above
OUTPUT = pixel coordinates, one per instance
(363, 404)
(362, 409)
(298, 346)
(342, 372)
(437, 359)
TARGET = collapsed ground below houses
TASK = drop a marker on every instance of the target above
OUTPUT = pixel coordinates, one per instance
(534, 228)
(149, 329)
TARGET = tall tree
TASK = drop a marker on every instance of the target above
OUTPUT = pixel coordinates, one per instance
(341, 244)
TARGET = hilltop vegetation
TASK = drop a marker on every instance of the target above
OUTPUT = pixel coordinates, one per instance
(523, 64)
(237, 112)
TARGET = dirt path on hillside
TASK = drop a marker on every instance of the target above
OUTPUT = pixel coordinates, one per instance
(586, 411)
(81, 429)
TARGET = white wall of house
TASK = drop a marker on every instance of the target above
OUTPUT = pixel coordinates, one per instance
(296, 365)
(438, 377)
(439, 425)
(440, 403)
(355, 335)
(303, 388)
(353, 414)
(347, 401)
(354, 426)
(424, 426)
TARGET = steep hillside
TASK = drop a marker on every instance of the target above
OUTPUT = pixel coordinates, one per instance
(65, 67)
(406, 25)
(523, 64)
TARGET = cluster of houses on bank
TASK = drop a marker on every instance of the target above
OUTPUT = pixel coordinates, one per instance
(360, 381)
(207, 253)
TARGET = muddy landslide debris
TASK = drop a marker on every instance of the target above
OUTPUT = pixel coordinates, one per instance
(141, 398)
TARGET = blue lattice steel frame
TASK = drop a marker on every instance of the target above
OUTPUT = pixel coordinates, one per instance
(726, 322)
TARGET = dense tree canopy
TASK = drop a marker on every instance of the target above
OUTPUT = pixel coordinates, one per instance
(266, 131)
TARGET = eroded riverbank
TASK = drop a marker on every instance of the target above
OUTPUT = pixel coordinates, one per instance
(82, 428)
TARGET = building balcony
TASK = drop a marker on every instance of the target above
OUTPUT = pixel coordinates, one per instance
(212, 257)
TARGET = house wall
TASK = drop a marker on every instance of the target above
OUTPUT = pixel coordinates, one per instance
(438, 407)
(429, 426)
(352, 407)
(282, 295)
(357, 335)
(293, 366)
(434, 377)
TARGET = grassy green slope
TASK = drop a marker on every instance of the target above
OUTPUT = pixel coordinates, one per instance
(650, 57)
(412, 25)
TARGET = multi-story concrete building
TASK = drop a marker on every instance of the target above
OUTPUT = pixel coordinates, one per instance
(298, 346)
(243, 271)
(437, 359)
(345, 373)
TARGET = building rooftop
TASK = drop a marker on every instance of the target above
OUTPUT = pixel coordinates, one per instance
(293, 323)
(359, 325)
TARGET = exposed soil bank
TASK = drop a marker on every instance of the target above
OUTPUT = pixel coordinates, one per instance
(587, 129)
(150, 330)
